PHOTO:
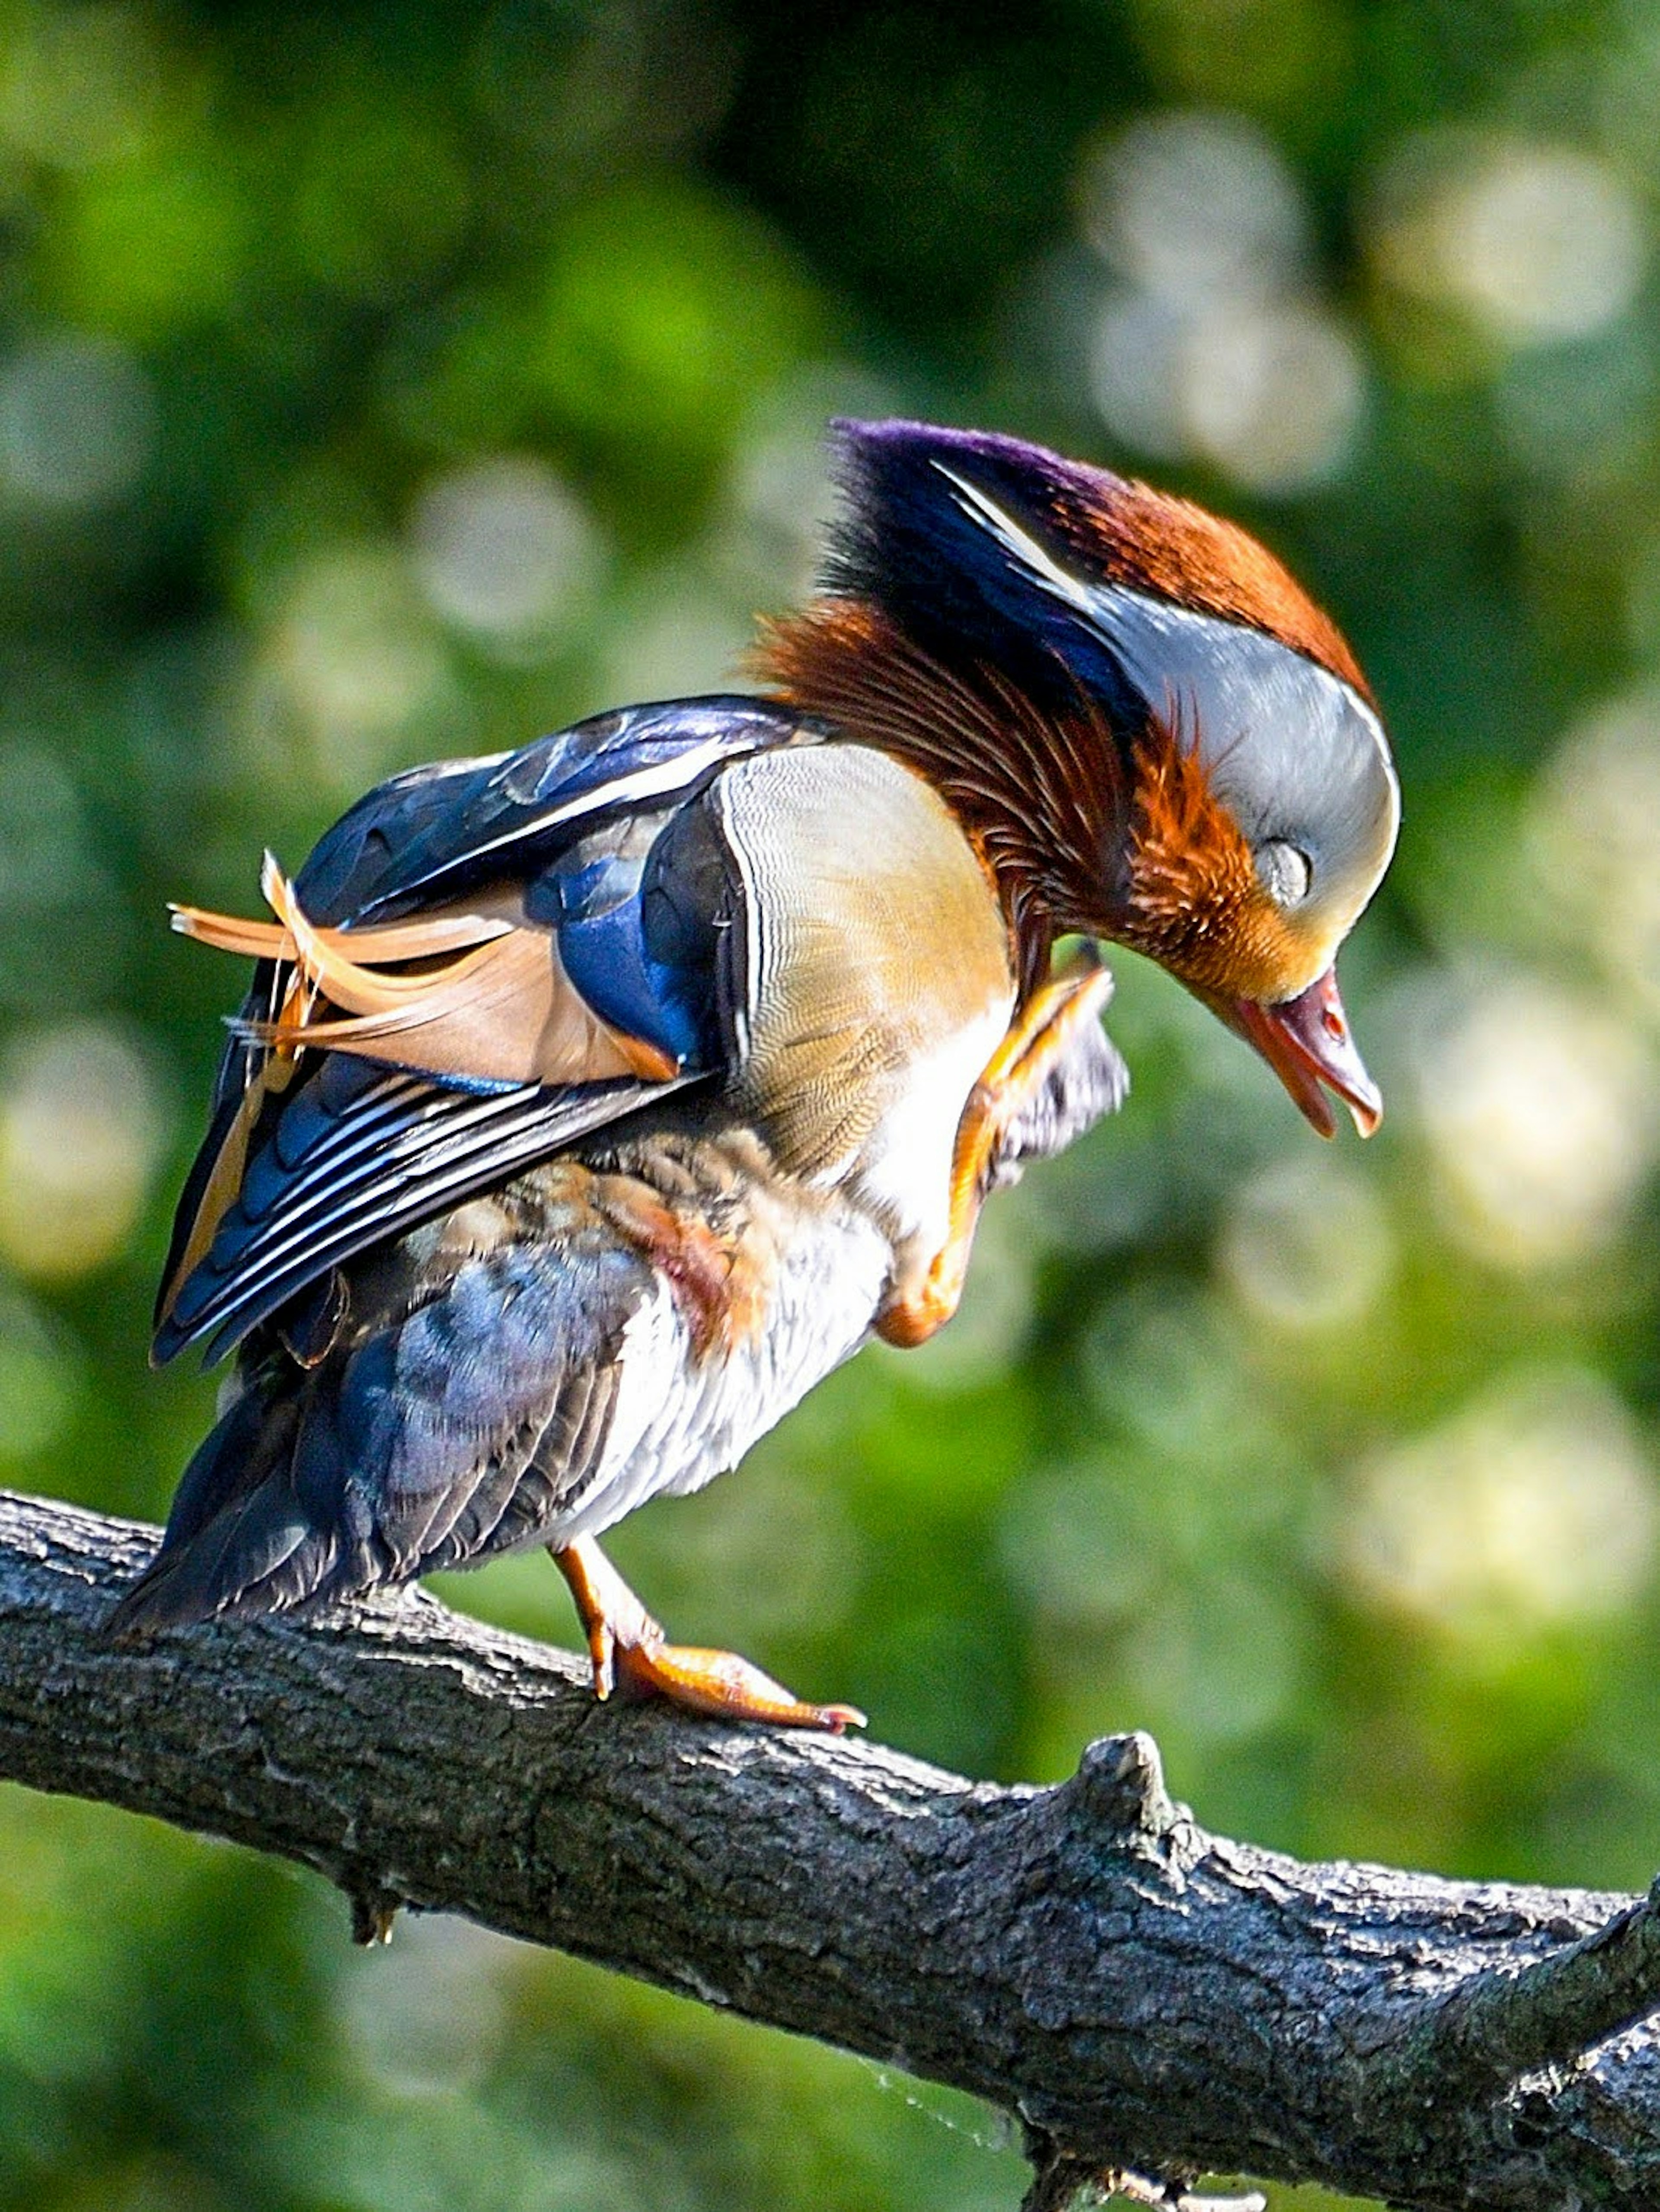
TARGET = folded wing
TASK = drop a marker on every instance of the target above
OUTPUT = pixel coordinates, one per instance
(479, 963)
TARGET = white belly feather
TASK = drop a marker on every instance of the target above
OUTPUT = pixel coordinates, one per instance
(682, 1418)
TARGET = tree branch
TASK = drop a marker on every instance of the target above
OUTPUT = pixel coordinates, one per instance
(1149, 1999)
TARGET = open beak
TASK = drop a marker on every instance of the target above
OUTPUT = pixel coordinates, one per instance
(1306, 1042)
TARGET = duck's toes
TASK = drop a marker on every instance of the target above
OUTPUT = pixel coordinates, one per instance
(722, 1684)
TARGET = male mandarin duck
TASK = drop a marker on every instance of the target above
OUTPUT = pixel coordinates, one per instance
(593, 1101)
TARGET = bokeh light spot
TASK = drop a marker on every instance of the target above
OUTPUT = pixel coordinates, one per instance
(1533, 241)
(78, 422)
(504, 551)
(81, 1131)
(1272, 392)
(1534, 1506)
(356, 659)
(1306, 1245)
(46, 859)
(1134, 365)
(1214, 341)
(425, 2016)
(673, 636)
(1539, 1113)
(1593, 832)
(1194, 207)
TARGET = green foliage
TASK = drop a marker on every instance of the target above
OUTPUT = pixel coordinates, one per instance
(401, 380)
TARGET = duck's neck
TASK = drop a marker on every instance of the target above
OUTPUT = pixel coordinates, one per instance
(1043, 796)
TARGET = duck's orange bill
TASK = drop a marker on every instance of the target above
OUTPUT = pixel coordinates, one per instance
(1306, 1042)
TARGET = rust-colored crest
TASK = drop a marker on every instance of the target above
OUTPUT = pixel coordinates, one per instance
(1153, 541)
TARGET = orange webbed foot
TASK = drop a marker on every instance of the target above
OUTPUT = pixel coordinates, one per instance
(723, 1685)
(631, 1653)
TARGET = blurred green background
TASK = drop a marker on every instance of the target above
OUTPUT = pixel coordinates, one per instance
(379, 382)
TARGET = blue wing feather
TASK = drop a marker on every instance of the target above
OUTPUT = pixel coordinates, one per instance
(383, 1167)
(433, 832)
(354, 1152)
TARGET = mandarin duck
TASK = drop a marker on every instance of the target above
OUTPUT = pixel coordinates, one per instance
(592, 1102)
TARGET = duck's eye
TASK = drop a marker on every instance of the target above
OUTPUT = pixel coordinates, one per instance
(1287, 871)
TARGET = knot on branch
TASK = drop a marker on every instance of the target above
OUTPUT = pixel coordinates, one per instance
(1120, 1786)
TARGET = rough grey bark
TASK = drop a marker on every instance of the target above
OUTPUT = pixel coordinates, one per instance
(1148, 1998)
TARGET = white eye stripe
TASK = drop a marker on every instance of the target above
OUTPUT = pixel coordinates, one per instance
(1019, 543)
(1285, 739)
(1106, 605)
